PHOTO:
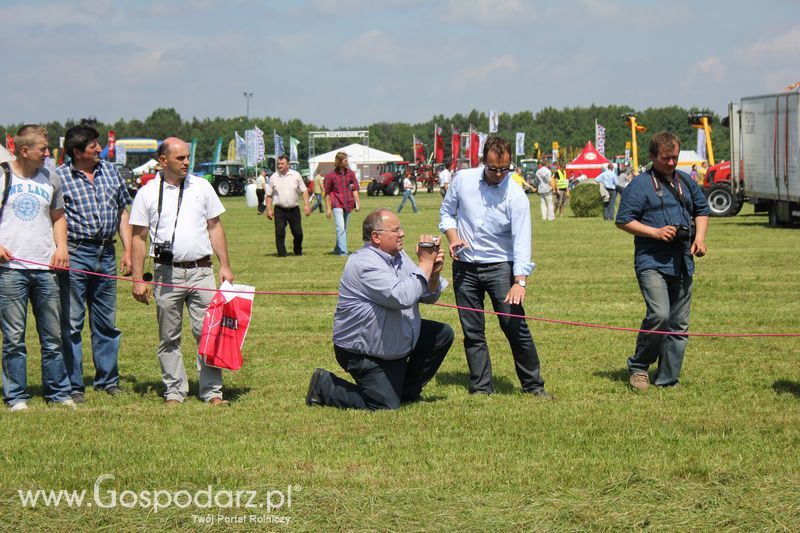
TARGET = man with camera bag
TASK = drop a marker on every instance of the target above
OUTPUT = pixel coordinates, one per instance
(181, 214)
(668, 215)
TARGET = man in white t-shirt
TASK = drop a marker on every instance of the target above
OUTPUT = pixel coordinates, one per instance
(33, 242)
(444, 179)
(284, 190)
(261, 189)
(544, 186)
(180, 212)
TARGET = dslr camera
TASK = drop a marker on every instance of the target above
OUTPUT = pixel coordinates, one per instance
(163, 251)
(682, 233)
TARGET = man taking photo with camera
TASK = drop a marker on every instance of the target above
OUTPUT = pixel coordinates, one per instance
(668, 215)
(181, 214)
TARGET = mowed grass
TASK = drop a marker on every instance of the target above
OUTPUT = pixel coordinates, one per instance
(718, 453)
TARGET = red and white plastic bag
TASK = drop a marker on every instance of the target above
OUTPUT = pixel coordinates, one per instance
(225, 326)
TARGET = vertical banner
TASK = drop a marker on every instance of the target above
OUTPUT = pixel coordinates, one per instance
(419, 151)
(438, 144)
(10, 144)
(112, 145)
(494, 120)
(520, 143)
(627, 153)
(481, 141)
(293, 154)
(278, 142)
(218, 150)
(456, 148)
(231, 150)
(600, 138)
(122, 155)
(555, 151)
(250, 147)
(260, 148)
(192, 152)
(241, 148)
(474, 155)
(701, 144)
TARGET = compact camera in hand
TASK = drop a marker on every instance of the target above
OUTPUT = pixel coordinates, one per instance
(163, 251)
(682, 233)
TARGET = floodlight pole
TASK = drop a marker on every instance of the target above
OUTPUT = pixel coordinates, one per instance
(247, 97)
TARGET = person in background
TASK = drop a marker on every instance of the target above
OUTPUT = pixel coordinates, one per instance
(284, 190)
(341, 199)
(545, 186)
(408, 192)
(317, 191)
(261, 188)
(608, 179)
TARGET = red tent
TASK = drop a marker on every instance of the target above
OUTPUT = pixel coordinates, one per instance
(589, 162)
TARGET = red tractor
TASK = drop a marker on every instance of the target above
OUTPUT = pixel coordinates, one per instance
(724, 200)
(390, 179)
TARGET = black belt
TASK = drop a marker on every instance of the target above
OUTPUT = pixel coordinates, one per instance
(199, 263)
(101, 242)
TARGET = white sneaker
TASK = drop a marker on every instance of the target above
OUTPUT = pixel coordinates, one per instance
(69, 402)
(20, 406)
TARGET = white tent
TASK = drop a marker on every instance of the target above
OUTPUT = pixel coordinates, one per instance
(687, 158)
(363, 160)
(146, 168)
(5, 155)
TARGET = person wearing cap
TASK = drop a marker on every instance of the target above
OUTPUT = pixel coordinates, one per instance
(181, 213)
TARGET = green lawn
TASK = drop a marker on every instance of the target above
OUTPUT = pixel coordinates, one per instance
(718, 453)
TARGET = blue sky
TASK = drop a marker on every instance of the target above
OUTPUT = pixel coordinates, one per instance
(354, 62)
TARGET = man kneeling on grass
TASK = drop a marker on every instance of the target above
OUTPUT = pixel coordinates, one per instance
(378, 335)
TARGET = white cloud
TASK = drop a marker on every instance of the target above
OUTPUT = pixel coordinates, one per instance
(710, 68)
(488, 12)
(487, 72)
(778, 49)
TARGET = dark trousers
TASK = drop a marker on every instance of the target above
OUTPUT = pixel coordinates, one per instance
(382, 384)
(260, 195)
(471, 282)
(292, 216)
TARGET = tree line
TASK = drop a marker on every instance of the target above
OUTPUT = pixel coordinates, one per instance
(570, 127)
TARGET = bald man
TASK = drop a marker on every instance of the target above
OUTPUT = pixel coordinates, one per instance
(181, 214)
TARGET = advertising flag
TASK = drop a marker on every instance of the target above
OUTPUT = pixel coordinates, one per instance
(122, 155)
(192, 152)
(438, 144)
(520, 143)
(241, 148)
(701, 144)
(419, 151)
(231, 150)
(10, 144)
(456, 148)
(494, 121)
(259, 135)
(482, 141)
(293, 144)
(600, 138)
(112, 145)
(278, 141)
(218, 150)
(250, 147)
(474, 142)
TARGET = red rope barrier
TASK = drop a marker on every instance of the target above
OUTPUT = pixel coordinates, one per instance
(451, 306)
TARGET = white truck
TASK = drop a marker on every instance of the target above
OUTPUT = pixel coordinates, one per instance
(765, 143)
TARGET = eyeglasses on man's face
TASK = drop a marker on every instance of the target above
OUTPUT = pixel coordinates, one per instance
(397, 231)
(496, 170)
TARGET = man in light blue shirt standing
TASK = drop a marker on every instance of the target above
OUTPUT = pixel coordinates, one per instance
(378, 335)
(486, 218)
(609, 180)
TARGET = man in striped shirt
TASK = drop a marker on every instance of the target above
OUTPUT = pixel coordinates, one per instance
(95, 198)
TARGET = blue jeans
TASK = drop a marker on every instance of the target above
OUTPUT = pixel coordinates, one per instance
(382, 384)
(17, 287)
(318, 203)
(471, 282)
(100, 295)
(608, 209)
(668, 300)
(340, 218)
(407, 195)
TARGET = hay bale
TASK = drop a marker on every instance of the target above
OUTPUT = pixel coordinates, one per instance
(585, 200)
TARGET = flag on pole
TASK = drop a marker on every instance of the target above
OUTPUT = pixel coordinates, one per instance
(293, 152)
(121, 159)
(231, 151)
(218, 150)
(278, 141)
(192, 151)
(520, 143)
(494, 120)
(438, 144)
(628, 153)
(701, 144)
(419, 151)
(112, 145)
(250, 147)
(260, 148)
(241, 148)
(482, 141)
(10, 144)
(456, 148)
(600, 138)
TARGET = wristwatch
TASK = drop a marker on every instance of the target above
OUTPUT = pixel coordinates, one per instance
(521, 282)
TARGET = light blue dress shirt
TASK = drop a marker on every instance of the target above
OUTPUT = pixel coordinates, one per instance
(377, 313)
(609, 179)
(495, 221)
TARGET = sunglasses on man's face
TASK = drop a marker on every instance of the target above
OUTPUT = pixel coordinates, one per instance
(496, 170)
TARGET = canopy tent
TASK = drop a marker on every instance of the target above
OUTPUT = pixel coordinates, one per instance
(589, 162)
(363, 160)
(146, 168)
(687, 158)
(5, 155)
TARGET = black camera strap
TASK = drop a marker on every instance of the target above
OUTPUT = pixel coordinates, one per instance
(177, 211)
(6, 186)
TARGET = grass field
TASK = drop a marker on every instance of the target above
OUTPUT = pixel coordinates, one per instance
(718, 453)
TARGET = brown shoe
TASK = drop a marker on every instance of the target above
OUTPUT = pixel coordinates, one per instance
(639, 380)
(172, 402)
(217, 401)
